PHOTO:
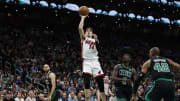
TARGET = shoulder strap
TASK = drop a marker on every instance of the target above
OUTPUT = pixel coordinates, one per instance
(120, 66)
(49, 74)
(132, 69)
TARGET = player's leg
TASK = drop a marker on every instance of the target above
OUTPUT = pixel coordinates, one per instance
(120, 95)
(154, 93)
(170, 92)
(55, 95)
(87, 73)
(87, 86)
(170, 97)
(128, 93)
(100, 82)
(99, 76)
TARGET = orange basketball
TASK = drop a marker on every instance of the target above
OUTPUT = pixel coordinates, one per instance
(83, 11)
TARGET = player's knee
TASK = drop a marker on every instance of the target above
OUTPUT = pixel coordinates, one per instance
(87, 81)
(100, 82)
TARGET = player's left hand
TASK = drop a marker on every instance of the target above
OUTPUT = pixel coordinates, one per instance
(49, 98)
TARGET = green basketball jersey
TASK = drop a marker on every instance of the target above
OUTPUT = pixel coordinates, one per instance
(160, 68)
(124, 73)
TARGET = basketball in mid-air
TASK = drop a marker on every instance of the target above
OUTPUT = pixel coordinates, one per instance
(83, 11)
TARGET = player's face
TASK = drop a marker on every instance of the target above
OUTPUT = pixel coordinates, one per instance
(89, 32)
(46, 68)
(126, 58)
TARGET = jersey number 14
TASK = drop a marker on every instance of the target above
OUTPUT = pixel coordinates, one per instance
(91, 46)
(161, 67)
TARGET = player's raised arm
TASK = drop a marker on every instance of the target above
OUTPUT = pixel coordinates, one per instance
(174, 64)
(81, 25)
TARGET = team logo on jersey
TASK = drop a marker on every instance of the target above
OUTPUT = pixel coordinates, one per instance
(91, 44)
(125, 73)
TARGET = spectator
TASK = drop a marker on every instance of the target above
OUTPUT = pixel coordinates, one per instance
(18, 81)
(79, 96)
(30, 87)
(93, 95)
(12, 79)
(106, 85)
(82, 95)
(31, 96)
(41, 97)
(1, 97)
(72, 97)
(64, 97)
(140, 93)
(112, 97)
(178, 95)
(112, 94)
(72, 88)
(34, 67)
(19, 97)
(8, 97)
(1, 75)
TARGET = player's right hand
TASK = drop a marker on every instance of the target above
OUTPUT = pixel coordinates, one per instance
(83, 17)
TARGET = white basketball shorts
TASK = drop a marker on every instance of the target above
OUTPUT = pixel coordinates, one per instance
(92, 67)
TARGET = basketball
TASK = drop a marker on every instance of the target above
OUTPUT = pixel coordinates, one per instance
(83, 11)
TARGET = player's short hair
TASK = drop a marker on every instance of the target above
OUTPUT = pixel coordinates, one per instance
(155, 51)
(89, 28)
(127, 55)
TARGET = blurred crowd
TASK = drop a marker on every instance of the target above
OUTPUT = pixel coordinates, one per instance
(25, 50)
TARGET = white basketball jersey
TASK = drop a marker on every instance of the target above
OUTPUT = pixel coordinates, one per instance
(89, 50)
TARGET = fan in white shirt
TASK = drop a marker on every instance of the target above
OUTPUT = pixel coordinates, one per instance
(19, 97)
(31, 96)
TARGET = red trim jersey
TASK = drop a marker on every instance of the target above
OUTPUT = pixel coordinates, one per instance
(89, 50)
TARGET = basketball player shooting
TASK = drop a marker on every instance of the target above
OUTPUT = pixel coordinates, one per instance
(90, 64)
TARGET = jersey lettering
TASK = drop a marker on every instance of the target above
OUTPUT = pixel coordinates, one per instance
(161, 67)
(89, 50)
(91, 44)
(125, 73)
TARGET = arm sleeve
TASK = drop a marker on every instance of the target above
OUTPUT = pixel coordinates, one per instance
(140, 76)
